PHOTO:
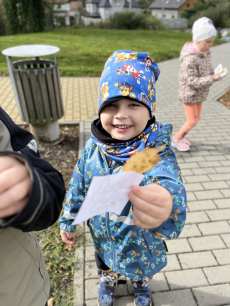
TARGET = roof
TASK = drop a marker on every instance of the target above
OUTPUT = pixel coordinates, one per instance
(104, 3)
(168, 4)
(92, 1)
(134, 4)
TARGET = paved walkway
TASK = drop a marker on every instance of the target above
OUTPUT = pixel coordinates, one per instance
(198, 270)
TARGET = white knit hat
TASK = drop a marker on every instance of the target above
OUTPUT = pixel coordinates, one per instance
(203, 28)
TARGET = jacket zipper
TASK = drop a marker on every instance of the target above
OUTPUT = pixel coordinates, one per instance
(110, 239)
(110, 168)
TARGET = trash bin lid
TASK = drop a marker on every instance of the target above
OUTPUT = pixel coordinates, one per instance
(30, 50)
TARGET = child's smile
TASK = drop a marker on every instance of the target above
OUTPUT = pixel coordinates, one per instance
(124, 119)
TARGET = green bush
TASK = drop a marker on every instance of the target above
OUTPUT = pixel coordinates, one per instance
(219, 15)
(130, 21)
(24, 16)
(2, 23)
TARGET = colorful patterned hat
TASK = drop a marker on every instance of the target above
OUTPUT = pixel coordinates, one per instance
(129, 75)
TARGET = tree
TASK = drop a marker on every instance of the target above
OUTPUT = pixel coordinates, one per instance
(219, 14)
(24, 16)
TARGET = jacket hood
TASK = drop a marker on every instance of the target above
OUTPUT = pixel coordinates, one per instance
(186, 51)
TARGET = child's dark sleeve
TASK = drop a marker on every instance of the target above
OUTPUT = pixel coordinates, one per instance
(75, 196)
(48, 190)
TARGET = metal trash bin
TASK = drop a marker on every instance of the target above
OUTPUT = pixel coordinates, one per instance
(37, 88)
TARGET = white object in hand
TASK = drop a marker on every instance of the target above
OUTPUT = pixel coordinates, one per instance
(222, 71)
(107, 194)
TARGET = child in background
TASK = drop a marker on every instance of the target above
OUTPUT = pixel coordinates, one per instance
(130, 244)
(195, 77)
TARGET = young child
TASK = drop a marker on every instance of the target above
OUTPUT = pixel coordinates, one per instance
(31, 197)
(130, 244)
(195, 77)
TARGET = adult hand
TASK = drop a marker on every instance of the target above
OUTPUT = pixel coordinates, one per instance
(67, 237)
(216, 77)
(152, 205)
(15, 185)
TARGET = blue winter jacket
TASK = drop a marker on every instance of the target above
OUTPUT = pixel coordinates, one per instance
(125, 248)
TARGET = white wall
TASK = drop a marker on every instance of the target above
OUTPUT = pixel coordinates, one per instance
(168, 14)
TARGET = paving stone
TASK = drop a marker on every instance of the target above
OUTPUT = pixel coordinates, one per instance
(219, 214)
(89, 253)
(218, 275)
(91, 287)
(197, 260)
(201, 205)
(189, 166)
(126, 301)
(209, 194)
(90, 270)
(186, 172)
(215, 185)
(158, 283)
(178, 246)
(226, 238)
(173, 264)
(222, 256)
(209, 164)
(212, 228)
(197, 178)
(190, 196)
(193, 187)
(190, 230)
(226, 192)
(214, 158)
(212, 295)
(173, 298)
(88, 239)
(202, 171)
(91, 303)
(78, 291)
(222, 169)
(186, 279)
(222, 203)
(196, 217)
(207, 243)
(219, 177)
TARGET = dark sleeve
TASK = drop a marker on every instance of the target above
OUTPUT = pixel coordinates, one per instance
(48, 191)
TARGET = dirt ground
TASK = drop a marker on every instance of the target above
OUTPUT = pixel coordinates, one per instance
(225, 100)
(62, 154)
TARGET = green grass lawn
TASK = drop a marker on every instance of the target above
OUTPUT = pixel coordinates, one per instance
(83, 52)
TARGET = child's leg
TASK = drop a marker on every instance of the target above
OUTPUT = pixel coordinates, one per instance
(142, 292)
(107, 280)
(192, 112)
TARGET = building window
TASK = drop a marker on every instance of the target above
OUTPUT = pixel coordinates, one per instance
(188, 5)
(173, 16)
(117, 1)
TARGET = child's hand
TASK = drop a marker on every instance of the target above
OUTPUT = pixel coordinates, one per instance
(15, 185)
(67, 237)
(216, 77)
(152, 205)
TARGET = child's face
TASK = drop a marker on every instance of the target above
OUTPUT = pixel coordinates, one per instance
(206, 44)
(124, 119)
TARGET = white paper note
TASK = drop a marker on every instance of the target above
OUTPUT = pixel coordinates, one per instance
(107, 194)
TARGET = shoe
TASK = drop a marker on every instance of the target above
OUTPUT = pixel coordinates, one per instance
(142, 296)
(105, 294)
(179, 144)
(184, 140)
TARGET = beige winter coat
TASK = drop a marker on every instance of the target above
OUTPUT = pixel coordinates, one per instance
(195, 75)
